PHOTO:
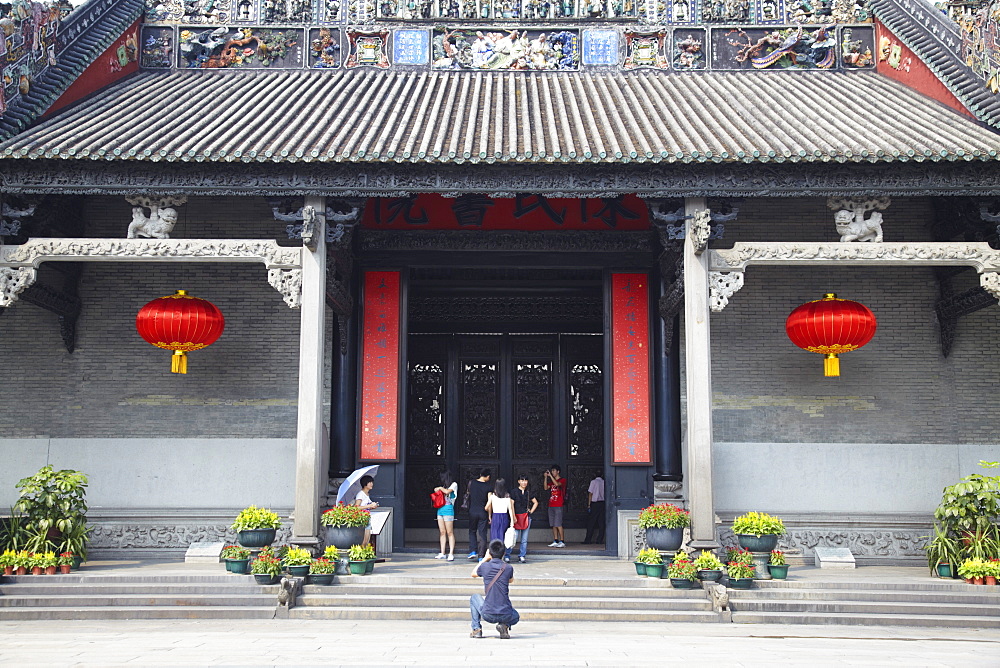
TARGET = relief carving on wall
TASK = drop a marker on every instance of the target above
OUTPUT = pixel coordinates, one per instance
(113, 536)
(850, 217)
(13, 281)
(161, 219)
(722, 286)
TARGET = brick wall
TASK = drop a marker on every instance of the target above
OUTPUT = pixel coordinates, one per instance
(897, 389)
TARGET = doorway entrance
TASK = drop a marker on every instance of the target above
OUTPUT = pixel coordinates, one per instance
(512, 403)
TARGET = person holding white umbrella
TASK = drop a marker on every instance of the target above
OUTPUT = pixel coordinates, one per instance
(362, 500)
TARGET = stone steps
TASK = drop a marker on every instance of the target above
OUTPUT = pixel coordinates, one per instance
(554, 601)
(535, 614)
(853, 619)
(138, 612)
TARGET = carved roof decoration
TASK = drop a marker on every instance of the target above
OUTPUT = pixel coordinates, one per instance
(82, 36)
(370, 116)
(937, 40)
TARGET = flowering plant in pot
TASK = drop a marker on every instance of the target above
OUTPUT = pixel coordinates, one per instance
(652, 560)
(758, 532)
(50, 562)
(36, 562)
(664, 525)
(23, 562)
(740, 574)
(777, 565)
(708, 566)
(360, 556)
(8, 561)
(321, 572)
(973, 570)
(266, 568)
(991, 572)
(237, 558)
(65, 561)
(344, 525)
(682, 572)
(256, 527)
(297, 561)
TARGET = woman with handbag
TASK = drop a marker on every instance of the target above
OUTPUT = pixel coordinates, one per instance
(446, 515)
(501, 510)
(525, 505)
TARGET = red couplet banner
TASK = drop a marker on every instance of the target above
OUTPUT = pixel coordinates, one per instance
(379, 423)
(630, 362)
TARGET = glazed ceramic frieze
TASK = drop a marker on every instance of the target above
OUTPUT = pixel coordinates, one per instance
(324, 48)
(688, 49)
(857, 48)
(367, 48)
(28, 45)
(645, 49)
(981, 43)
(795, 47)
(189, 11)
(157, 50)
(600, 47)
(503, 49)
(411, 47)
(244, 47)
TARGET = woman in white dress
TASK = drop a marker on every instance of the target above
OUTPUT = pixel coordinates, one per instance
(501, 509)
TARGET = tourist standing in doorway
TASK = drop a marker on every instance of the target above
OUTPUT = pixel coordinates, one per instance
(555, 485)
(501, 510)
(362, 500)
(596, 519)
(446, 515)
(525, 505)
(479, 490)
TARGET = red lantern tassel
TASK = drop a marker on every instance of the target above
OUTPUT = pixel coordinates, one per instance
(179, 362)
(831, 365)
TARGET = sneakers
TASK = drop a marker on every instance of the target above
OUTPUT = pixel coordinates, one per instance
(476, 633)
(451, 557)
(472, 555)
(522, 560)
(503, 629)
(554, 543)
(560, 544)
(440, 556)
(506, 560)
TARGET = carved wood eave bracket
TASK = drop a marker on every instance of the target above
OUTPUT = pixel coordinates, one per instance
(19, 264)
(727, 266)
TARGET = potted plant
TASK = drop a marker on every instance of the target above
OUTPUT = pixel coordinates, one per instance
(65, 561)
(23, 563)
(708, 566)
(664, 525)
(266, 569)
(972, 570)
(50, 563)
(256, 527)
(344, 525)
(650, 557)
(777, 565)
(991, 572)
(971, 506)
(944, 552)
(342, 564)
(682, 572)
(758, 532)
(321, 572)
(297, 561)
(36, 562)
(53, 503)
(369, 558)
(358, 555)
(237, 558)
(75, 540)
(8, 560)
(740, 574)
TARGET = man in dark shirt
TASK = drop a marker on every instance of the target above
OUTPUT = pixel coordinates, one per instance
(479, 526)
(495, 607)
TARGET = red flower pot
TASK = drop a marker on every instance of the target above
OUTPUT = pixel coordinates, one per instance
(50, 570)
(65, 568)
(8, 570)
(37, 570)
(990, 579)
(977, 581)
(21, 570)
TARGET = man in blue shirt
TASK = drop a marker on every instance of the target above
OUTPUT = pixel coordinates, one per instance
(495, 607)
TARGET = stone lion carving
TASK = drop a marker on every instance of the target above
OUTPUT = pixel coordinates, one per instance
(160, 221)
(850, 217)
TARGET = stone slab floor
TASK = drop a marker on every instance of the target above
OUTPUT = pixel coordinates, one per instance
(415, 643)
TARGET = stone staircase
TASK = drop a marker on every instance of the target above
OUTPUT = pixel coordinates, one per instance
(82, 596)
(536, 598)
(930, 603)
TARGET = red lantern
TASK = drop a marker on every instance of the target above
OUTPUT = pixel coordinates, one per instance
(831, 326)
(181, 323)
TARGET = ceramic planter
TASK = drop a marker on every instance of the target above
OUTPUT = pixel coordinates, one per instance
(990, 580)
(51, 570)
(944, 570)
(778, 572)
(654, 570)
(264, 579)
(320, 579)
(298, 571)
(764, 543)
(709, 575)
(8, 570)
(681, 583)
(640, 568)
(37, 570)
(369, 566)
(359, 567)
(65, 568)
(664, 540)
(256, 537)
(238, 566)
(740, 583)
(343, 537)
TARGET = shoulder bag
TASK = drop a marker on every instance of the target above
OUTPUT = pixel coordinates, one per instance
(437, 498)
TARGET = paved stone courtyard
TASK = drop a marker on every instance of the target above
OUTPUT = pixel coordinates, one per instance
(413, 643)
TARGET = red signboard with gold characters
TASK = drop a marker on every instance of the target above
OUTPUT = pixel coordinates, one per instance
(630, 363)
(379, 423)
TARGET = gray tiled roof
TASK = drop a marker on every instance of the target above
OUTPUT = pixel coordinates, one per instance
(937, 41)
(370, 116)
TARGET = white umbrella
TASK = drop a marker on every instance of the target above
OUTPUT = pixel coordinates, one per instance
(351, 485)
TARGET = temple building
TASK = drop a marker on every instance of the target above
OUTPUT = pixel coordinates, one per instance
(456, 234)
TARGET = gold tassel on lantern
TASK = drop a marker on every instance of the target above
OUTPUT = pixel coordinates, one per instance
(831, 365)
(179, 362)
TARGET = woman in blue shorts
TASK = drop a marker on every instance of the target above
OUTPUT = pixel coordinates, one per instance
(446, 515)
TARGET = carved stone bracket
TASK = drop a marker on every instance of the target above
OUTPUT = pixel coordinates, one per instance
(701, 228)
(15, 261)
(722, 286)
(289, 283)
(991, 283)
(13, 281)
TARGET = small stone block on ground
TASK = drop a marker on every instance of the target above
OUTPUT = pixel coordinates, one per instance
(834, 557)
(204, 553)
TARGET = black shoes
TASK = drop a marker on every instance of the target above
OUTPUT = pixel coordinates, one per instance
(504, 631)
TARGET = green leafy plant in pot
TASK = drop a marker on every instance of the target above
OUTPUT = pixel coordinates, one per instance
(777, 565)
(664, 525)
(256, 527)
(740, 574)
(237, 558)
(758, 532)
(944, 552)
(266, 568)
(709, 566)
(971, 506)
(297, 561)
(321, 572)
(651, 558)
(52, 504)
(359, 556)
(344, 525)
(682, 572)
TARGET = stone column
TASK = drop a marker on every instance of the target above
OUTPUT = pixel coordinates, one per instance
(344, 402)
(698, 372)
(310, 468)
(668, 470)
